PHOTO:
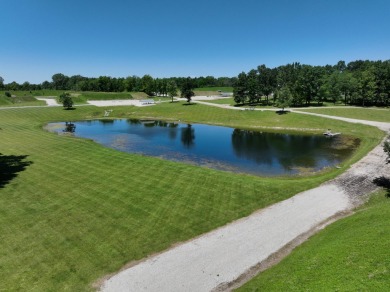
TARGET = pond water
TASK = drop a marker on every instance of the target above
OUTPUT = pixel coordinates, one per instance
(223, 148)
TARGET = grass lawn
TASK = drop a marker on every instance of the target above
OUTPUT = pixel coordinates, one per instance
(80, 211)
(211, 91)
(372, 114)
(228, 101)
(350, 255)
(223, 89)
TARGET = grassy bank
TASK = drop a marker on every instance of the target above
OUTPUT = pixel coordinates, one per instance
(19, 99)
(350, 255)
(80, 211)
(371, 114)
(27, 98)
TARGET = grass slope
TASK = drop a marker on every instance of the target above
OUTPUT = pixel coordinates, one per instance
(19, 100)
(80, 211)
(350, 255)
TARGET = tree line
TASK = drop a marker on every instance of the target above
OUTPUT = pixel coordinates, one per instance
(363, 83)
(148, 84)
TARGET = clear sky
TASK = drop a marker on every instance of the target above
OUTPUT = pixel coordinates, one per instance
(166, 38)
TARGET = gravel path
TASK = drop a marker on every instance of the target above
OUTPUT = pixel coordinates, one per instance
(228, 256)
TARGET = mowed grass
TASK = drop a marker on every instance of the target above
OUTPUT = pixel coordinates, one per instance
(350, 255)
(228, 101)
(223, 89)
(372, 114)
(211, 91)
(81, 211)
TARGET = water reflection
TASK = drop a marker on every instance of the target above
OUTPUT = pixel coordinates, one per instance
(69, 127)
(217, 147)
(286, 149)
(188, 136)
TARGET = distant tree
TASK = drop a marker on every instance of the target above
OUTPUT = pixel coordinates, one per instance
(252, 86)
(366, 86)
(66, 100)
(332, 83)
(60, 81)
(187, 89)
(26, 86)
(172, 89)
(267, 81)
(340, 67)
(148, 85)
(309, 82)
(240, 89)
(348, 86)
(1, 82)
(284, 98)
(46, 85)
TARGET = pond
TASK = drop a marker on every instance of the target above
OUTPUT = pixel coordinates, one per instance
(222, 148)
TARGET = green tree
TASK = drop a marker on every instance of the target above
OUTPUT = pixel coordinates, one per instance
(148, 85)
(66, 100)
(284, 98)
(367, 86)
(172, 89)
(187, 89)
(1, 82)
(240, 89)
(60, 81)
(266, 81)
(332, 84)
(309, 82)
(348, 86)
(252, 86)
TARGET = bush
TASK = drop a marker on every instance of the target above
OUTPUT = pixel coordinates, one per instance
(7, 94)
(386, 148)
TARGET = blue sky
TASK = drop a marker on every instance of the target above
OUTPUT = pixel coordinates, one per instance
(166, 38)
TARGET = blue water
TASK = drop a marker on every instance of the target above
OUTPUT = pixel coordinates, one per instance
(217, 147)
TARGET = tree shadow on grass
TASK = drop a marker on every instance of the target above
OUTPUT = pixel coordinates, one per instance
(10, 165)
(282, 112)
(186, 104)
(383, 182)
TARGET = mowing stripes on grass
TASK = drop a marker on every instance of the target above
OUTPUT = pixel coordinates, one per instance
(81, 211)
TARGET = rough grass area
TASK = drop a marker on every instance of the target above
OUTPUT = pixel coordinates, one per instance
(77, 211)
(350, 255)
(372, 114)
(79, 97)
(139, 95)
(24, 99)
